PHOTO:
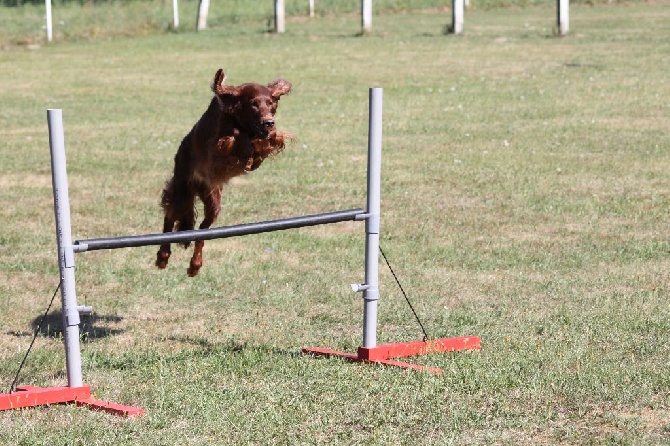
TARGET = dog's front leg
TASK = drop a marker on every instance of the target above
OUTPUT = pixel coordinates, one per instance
(244, 149)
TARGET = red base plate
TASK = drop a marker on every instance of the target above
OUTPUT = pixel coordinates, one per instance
(381, 354)
(30, 396)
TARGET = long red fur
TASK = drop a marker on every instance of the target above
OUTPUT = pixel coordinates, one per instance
(235, 135)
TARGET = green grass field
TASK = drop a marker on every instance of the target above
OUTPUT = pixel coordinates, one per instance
(525, 198)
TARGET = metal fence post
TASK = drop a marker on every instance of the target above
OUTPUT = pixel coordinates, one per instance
(47, 4)
(280, 17)
(366, 16)
(175, 14)
(457, 16)
(563, 17)
(203, 11)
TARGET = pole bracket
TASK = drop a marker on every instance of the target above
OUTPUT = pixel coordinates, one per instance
(84, 309)
(359, 287)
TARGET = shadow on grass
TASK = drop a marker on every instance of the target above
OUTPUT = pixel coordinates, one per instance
(93, 326)
(233, 346)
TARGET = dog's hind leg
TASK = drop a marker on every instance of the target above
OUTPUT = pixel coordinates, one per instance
(177, 202)
(212, 202)
(167, 203)
(164, 251)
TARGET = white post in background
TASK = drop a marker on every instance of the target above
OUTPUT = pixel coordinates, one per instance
(47, 3)
(457, 16)
(372, 223)
(311, 8)
(280, 22)
(366, 16)
(203, 10)
(563, 17)
(65, 250)
(175, 14)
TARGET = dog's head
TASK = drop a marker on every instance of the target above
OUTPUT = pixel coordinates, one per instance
(253, 106)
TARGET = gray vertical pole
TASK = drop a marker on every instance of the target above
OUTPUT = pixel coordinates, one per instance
(65, 250)
(563, 19)
(371, 292)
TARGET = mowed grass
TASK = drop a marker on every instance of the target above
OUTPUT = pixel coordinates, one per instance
(526, 188)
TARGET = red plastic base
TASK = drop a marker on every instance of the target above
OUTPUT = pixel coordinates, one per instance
(30, 396)
(381, 354)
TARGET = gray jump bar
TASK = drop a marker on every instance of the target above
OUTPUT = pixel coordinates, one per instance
(131, 241)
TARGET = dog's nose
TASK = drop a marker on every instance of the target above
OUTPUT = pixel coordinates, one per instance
(269, 123)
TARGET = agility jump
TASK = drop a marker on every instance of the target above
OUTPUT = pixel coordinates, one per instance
(77, 392)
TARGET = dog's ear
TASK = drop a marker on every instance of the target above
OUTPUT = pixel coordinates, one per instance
(279, 87)
(219, 86)
(219, 79)
(226, 94)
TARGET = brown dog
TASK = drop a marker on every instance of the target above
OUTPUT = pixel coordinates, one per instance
(234, 136)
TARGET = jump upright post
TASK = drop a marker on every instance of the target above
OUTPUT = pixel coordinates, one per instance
(370, 351)
(75, 392)
(373, 222)
(80, 394)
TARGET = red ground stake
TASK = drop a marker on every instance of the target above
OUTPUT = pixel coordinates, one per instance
(382, 354)
(404, 349)
(30, 396)
(111, 408)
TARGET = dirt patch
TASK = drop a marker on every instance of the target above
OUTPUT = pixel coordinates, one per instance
(26, 180)
(652, 420)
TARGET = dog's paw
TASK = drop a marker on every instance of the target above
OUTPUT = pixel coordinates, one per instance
(193, 270)
(253, 163)
(162, 259)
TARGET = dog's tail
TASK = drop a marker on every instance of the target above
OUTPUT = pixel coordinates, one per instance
(177, 202)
